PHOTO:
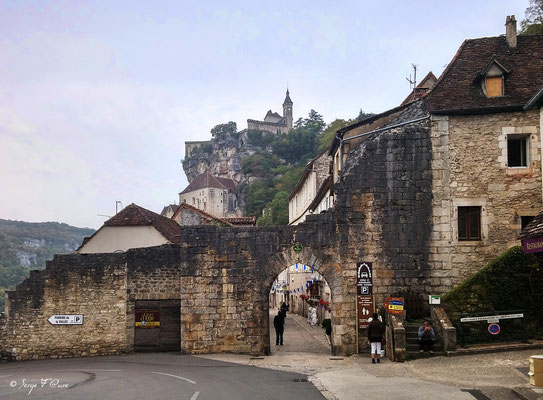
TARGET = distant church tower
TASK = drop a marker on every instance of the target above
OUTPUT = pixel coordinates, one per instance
(287, 111)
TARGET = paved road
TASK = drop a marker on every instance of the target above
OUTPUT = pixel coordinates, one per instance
(299, 336)
(149, 376)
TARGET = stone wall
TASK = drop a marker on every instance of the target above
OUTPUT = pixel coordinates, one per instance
(469, 169)
(92, 285)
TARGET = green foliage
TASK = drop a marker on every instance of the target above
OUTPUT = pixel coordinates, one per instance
(259, 164)
(326, 138)
(2, 298)
(513, 280)
(25, 246)
(533, 23)
(260, 139)
(223, 131)
(363, 115)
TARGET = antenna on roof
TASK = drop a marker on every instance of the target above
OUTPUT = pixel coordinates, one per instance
(413, 80)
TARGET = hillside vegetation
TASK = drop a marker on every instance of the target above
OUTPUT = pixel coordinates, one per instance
(25, 246)
(281, 163)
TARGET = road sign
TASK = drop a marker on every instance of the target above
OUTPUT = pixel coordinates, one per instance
(365, 310)
(394, 305)
(364, 279)
(494, 329)
(434, 299)
(66, 319)
(492, 318)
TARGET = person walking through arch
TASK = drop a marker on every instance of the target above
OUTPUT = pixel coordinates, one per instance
(376, 330)
(279, 325)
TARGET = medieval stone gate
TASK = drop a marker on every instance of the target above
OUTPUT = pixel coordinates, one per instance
(221, 276)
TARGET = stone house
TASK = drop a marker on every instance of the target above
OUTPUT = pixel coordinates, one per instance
(132, 227)
(312, 192)
(187, 215)
(469, 153)
(214, 195)
(273, 122)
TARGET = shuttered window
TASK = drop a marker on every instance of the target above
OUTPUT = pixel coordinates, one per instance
(494, 86)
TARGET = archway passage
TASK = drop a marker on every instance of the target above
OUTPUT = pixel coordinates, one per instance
(300, 300)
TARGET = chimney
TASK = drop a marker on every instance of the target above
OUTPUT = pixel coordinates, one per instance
(511, 31)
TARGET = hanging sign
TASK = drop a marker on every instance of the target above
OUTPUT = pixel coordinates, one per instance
(364, 279)
(147, 318)
(534, 245)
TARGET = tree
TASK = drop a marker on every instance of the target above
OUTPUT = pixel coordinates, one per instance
(222, 131)
(363, 115)
(326, 138)
(533, 23)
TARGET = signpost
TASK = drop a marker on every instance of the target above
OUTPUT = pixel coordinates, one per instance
(394, 305)
(66, 319)
(492, 318)
(365, 311)
(364, 279)
(364, 290)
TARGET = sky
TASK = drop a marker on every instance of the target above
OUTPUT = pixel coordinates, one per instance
(98, 97)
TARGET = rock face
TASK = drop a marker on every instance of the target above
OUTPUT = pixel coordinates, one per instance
(223, 158)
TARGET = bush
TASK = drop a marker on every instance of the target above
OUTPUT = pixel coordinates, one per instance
(513, 280)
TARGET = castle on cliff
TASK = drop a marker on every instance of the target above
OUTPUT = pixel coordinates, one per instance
(273, 122)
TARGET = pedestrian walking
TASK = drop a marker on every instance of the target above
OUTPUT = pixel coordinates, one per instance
(279, 325)
(376, 330)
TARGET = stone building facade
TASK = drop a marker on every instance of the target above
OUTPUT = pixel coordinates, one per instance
(274, 122)
(310, 184)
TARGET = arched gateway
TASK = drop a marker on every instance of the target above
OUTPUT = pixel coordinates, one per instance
(210, 293)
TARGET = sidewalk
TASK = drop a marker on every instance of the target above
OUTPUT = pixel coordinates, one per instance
(493, 375)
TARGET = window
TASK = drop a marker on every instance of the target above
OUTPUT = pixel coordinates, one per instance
(517, 151)
(494, 86)
(469, 223)
(525, 220)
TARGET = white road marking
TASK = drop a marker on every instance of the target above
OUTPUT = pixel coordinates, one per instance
(92, 370)
(195, 395)
(175, 376)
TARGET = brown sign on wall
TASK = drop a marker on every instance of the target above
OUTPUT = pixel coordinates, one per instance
(147, 318)
(365, 310)
(364, 279)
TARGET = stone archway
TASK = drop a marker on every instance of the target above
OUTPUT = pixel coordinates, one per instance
(343, 304)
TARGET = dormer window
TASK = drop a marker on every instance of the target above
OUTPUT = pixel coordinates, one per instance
(492, 79)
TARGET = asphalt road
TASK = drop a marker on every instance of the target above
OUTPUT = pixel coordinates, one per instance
(149, 376)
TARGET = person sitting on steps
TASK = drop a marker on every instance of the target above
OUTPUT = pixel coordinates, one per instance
(427, 337)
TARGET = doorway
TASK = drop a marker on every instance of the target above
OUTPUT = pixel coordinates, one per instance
(157, 325)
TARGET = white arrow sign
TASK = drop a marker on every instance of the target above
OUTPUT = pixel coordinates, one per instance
(66, 319)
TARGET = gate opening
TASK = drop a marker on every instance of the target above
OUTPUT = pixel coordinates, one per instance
(305, 299)
(157, 325)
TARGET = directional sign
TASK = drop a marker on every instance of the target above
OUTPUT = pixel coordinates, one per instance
(394, 305)
(66, 319)
(494, 329)
(492, 318)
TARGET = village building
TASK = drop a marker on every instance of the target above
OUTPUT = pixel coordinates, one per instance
(169, 210)
(214, 195)
(427, 83)
(481, 160)
(312, 192)
(273, 122)
(132, 227)
(187, 215)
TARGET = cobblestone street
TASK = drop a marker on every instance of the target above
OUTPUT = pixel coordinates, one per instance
(299, 336)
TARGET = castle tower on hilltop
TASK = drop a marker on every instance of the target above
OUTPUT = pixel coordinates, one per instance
(273, 122)
(287, 111)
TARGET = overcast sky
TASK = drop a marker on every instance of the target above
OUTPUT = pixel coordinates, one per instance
(98, 97)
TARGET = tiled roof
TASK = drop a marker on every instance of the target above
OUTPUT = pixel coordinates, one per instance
(171, 207)
(134, 215)
(534, 228)
(458, 89)
(185, 206)
(422, 88)
(241, 221)
(206, 180)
